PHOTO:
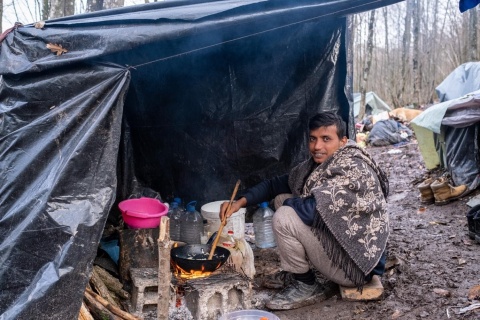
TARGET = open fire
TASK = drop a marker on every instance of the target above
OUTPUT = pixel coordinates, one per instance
(191, 261)
(192, 274)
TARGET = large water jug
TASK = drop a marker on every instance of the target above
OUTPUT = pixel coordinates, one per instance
(180, 203)
(191, 228)
(175, 214)
(262, 226)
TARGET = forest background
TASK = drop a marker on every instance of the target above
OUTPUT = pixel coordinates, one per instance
(401, 52)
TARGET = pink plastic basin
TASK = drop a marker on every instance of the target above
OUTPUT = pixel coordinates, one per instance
(143, 212)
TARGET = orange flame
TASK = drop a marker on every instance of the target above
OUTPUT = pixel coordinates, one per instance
(192, 274)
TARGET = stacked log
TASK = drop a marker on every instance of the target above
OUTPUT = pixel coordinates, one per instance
(102, 299)
(104, 293)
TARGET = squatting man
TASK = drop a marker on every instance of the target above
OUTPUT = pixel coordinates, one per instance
(330, 215)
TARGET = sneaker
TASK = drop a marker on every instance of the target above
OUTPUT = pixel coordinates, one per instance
(296, 295)
(278, 280)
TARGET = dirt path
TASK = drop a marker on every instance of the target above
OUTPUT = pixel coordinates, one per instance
(432, 262)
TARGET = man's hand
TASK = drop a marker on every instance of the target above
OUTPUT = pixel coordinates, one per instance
(236, 205)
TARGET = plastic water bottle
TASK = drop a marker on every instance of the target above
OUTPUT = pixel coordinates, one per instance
(262, 226)
(179, 202)
(191, 228)
(175, 214)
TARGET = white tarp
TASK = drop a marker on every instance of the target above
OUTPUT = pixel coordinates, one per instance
(459, 113)
(375, 105)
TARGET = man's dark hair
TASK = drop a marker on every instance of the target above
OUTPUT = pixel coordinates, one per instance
(326, 119)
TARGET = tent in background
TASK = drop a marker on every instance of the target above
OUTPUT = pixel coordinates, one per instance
(182, 97)
(451, 128)
(374, 105)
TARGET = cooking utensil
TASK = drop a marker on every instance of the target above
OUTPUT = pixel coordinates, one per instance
(193, 257)
(224, 220)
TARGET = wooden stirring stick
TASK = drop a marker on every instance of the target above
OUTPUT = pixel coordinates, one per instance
(224, 221)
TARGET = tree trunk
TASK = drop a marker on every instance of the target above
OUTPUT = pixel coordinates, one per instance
(94, 5)
(401, 94)
(97, 5)
(1, 16)
(357, 54)
(110, 4)
(368, 62)
(61, 8)
(416, 54)
(432, 56)
(472, 38)
(389, 79)
(45, 9)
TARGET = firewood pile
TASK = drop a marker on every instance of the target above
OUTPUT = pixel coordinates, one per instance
(104, 298)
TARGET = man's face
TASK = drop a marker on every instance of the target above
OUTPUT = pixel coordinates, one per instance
(323, 142)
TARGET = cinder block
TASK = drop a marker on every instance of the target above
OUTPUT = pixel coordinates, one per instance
(206, 298)
(145, 288)
(371, 291)
(211, 297)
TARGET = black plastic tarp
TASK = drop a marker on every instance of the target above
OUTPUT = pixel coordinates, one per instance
(460, 153)
(183, 98)
(58, 154)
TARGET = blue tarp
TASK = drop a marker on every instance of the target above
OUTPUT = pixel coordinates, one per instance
(465, 5)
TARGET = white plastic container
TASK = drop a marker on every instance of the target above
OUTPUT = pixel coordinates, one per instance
(236, 222)
(249, 315)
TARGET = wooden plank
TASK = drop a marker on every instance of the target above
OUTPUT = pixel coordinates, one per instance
(164, 274)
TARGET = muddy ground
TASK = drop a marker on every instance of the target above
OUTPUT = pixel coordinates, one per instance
(432, 263)
(432, 267)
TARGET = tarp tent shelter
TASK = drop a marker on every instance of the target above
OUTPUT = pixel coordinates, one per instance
(374, 104)
(452, 126)
(180, 97)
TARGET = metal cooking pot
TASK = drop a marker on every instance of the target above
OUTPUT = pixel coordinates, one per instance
(194, 257)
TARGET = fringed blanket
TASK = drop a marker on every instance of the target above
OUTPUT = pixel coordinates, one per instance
(351, 219)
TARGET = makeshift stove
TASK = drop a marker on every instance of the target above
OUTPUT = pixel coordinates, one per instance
(210, 297)
(206, 295)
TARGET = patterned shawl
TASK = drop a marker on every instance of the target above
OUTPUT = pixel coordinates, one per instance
(351, 219)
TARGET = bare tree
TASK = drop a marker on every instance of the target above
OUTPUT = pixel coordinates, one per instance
(97, 5)
(357, 26)
(406, 51)
(432, 55)
(94, 5)
(368, 62)
(397, 83)
(472, 35)
(45, 9)
(417, 44)
(416, 54)
(1, 15)
(61, 8)
(109, 4)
